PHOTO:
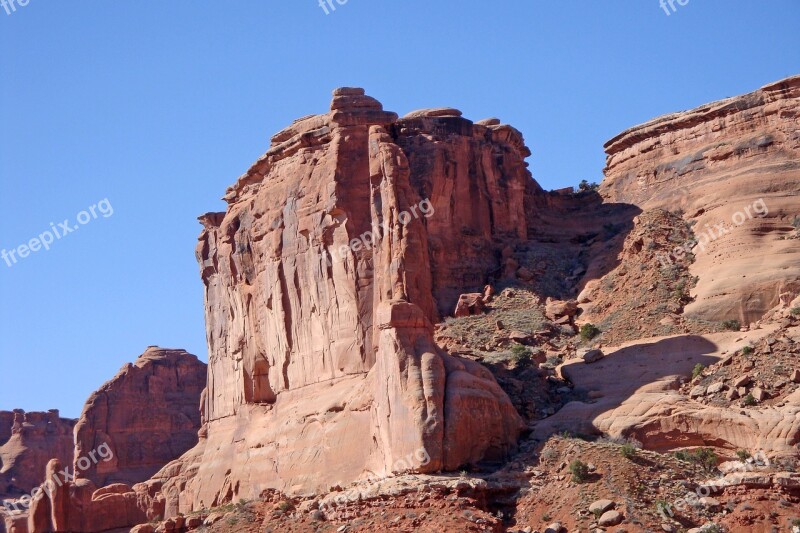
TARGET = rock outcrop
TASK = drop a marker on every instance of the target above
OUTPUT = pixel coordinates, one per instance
(27, 442)
(340, 248)
(147, 416)
(733, 167)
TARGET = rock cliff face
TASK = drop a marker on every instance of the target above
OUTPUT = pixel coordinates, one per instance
(27, 442)
(147, 415)
(339, 249)
(733, 167)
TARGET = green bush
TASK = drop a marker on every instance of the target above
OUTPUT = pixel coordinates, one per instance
(705, 457)
(628, 450)
(697, 370)
(749, 400)
(520, 355)
(743, 455)
(579, 471)
(733, 325)
(589, 331)
(747, 350)
(795, 311)
(584, 186)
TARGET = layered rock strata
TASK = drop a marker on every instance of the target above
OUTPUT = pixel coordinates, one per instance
(733, 168)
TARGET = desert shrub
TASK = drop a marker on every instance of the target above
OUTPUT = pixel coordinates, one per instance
(743, 455)
(549, 455)
(628, 450)
(705, 457)
(683, 455)
(585, 186)
(749, 400)
(795, 311)
(589, 331)
(697, 370)
(520, 355)
(285, 505)
(579, 471)
(733, 325)
(747, 350)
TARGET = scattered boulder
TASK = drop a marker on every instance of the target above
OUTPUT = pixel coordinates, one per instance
(698, 391)
(470, 304)
(555, 309)
(759, 394)
(591, 356)
(610, 518)
(601, 506)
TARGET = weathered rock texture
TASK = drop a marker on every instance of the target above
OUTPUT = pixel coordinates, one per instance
(148, 415)
(339, 249)
(714, 162)
(27, 442)
(63, 505)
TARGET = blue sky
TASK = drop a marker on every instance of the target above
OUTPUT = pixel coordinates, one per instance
(159, 106)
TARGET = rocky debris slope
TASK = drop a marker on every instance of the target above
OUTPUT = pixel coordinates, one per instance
(645, 293)
(733, 167)
(340, 248)
(148, 415)
(27, 442)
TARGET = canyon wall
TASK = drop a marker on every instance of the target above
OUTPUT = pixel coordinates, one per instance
(340, 248)
(733, 168)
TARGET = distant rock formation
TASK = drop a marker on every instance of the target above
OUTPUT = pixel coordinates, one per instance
(27, 442)
(148, 415)
(716, 163)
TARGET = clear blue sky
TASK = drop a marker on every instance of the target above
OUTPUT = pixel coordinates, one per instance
(159, 106)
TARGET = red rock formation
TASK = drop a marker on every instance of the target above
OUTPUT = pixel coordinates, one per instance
(148, 415)
(62, 505)
(340, 247)
(27, 442)
(724, 164)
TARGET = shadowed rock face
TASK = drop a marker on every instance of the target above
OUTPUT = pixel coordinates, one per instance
(716, 162)
(147, 415)
(322, 363)
(27, 442)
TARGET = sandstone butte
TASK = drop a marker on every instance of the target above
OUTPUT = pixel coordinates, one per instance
(325, 366)
(147, 415)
